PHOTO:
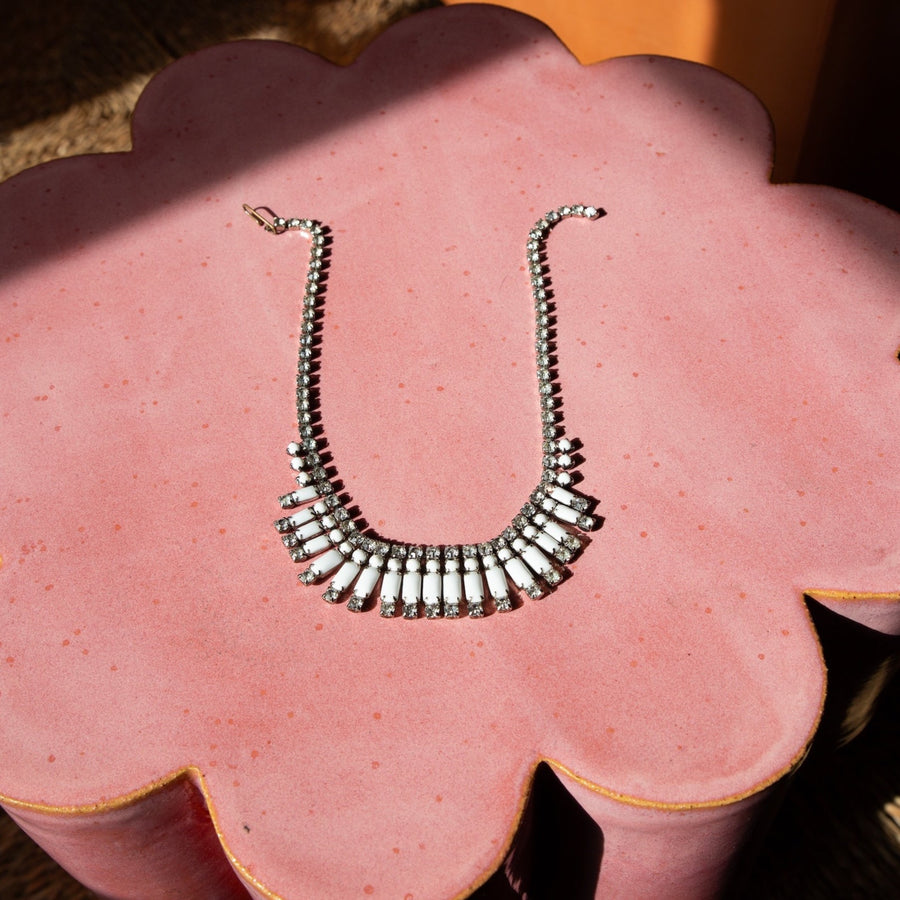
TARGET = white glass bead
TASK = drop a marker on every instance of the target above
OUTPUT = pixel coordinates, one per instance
(326, 563)
(309, 530)
(518, 572)
(344, 576)
(306, 493)
(390, 584)
(366, 582)
(561, 511)
(564, 445)
(431, 589)
(562, 495)
(411, 587)
(474, 587)
(302, 517)
(535, 560)
(452, 588)
(496, 582)
(316, 545)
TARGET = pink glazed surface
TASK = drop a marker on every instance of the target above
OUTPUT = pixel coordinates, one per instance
(728, 357)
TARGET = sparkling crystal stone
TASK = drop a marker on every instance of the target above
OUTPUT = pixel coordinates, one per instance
(476, 610)
(432, 612)
(388, 608)
(307, 576)
(586, 523)
(534, 591)
(410, 611)
(451, 611)
(331, 595)
(553, 577)
(355, 603)
(503, 605)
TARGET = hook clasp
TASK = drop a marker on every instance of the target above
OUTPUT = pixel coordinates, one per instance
(273, 225)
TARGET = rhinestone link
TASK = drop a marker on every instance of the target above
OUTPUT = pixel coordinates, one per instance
(491, 569)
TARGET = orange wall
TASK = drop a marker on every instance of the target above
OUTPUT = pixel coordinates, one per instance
(774, 47)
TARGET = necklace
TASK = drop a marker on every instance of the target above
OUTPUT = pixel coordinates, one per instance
(449, 580)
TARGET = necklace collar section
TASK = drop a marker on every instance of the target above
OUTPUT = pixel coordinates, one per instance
(529, 556)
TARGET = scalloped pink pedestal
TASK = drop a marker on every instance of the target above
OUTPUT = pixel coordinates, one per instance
(727, 352)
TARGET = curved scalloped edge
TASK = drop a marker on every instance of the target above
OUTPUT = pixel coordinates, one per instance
(877, 610)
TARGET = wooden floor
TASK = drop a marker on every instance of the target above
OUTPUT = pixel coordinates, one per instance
(70, 73)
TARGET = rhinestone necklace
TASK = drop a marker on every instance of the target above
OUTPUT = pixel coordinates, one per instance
(443, 580)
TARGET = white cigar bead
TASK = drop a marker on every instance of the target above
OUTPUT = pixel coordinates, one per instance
(474, 587)
(560, 511)
(344, 576)
(535, 560)
(518, 572)
(302, 517)
(496, 582)
(309, 530)
(316, 545)
(562, 495)
(556, 531)
(431, 589)
(326, 563)
(306, 493)
(541, 538)
(452, 588)
(366, 582)
(390, 584)
(411, 587)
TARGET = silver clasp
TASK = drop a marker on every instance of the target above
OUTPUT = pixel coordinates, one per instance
(273, 225)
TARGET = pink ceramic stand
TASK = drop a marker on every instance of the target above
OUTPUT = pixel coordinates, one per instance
(727, 352)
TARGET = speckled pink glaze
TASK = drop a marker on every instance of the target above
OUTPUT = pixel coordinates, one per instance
(728, 356)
